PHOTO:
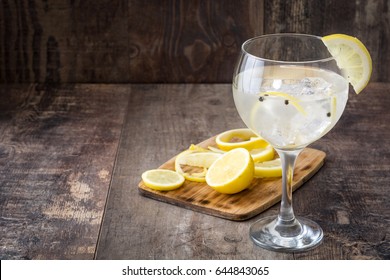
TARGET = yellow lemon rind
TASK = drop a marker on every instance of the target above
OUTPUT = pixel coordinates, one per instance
(260, 155)
(268, 169)
(183, 158)
(249, 140)
(292, 100)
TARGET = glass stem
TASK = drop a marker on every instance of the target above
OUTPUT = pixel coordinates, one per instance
(288, 159)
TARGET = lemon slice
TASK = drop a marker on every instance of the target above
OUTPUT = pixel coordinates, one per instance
(162, 179)
(193, 161)
(232, 172)
(352, 57)
(258, 155)
(265, 154)
(240, 138)
(288, 99)
(196, 148)
(266, 169)
(216, 150)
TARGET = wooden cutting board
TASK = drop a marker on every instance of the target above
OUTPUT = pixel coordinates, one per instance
(262, 194)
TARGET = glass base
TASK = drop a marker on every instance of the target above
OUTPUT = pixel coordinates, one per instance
(298, 235)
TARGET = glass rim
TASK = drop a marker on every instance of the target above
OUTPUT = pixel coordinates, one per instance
(326, 59)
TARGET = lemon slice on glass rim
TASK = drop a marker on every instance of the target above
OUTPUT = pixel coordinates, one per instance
(352, 57)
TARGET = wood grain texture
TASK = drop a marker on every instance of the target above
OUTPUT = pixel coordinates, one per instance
(168, 41)
(64, 41)
(57, 151)
(348, 197)
(189, 41)
(367, 20)
(123, 40)
(258, 197)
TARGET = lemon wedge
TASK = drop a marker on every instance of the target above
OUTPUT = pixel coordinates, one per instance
(195, 164)
(352, 57)
(232, 172)
(266, 169)
(239, 138)
(162, 179)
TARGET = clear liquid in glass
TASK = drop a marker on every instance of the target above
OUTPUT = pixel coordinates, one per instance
(290, 106)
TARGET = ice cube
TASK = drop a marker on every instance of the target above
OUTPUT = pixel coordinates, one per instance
(311, 85)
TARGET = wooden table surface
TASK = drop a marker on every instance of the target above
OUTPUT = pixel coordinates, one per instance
(71, 158)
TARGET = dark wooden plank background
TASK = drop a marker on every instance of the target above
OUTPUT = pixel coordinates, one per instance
(168, 41)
